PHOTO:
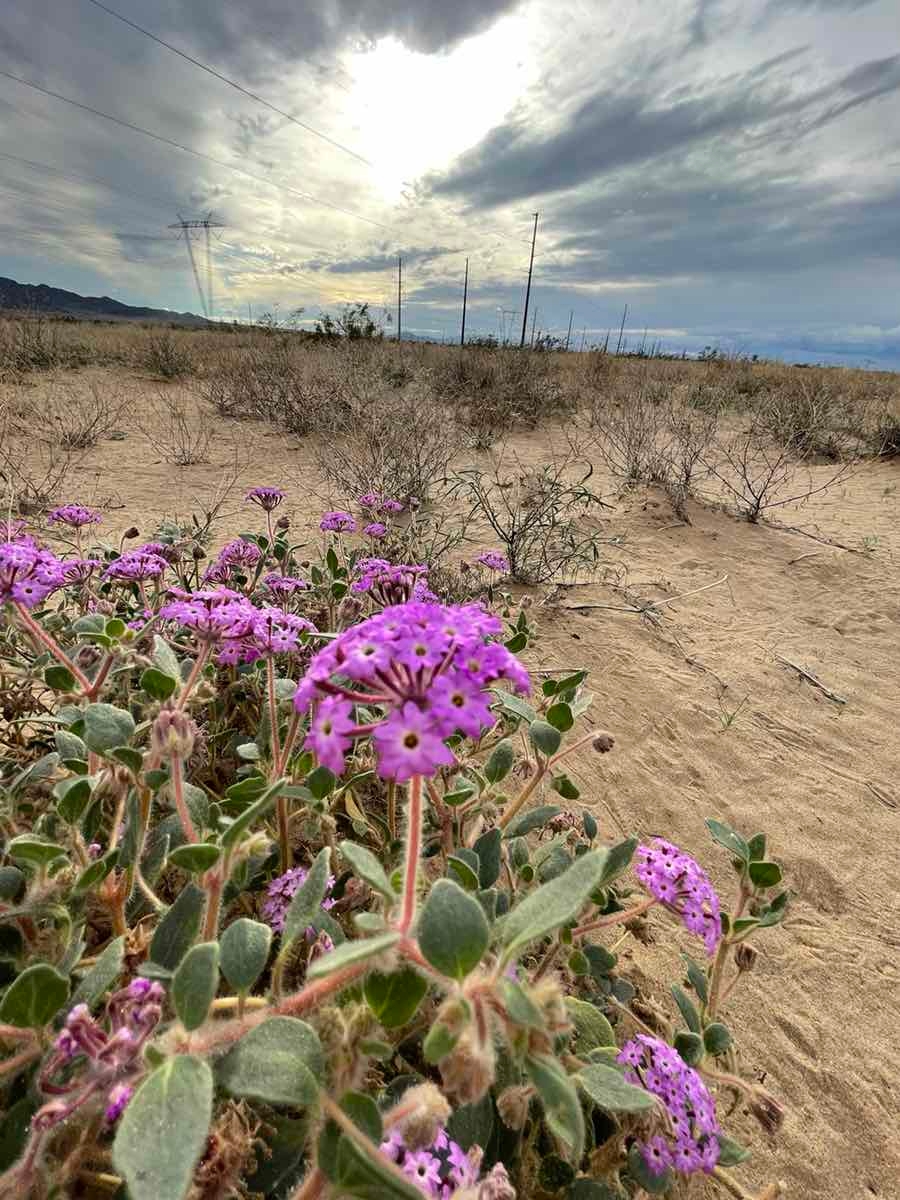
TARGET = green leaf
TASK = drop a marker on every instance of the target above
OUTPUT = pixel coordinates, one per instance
(757, 847)
(34, 998)
(195, 984)
(175, 933)
(14, 1130)
(697, 977)
(591, 829)
(731, 1152)
(102, 975)
(195, 857)
(69, 746)
(453, 930)
(164, 658)
(72, 796)
(689, 1046)
(28, 847)
(514, 705)
(115, 627)
(774, 912)
(164, 1130)
(158, 685)
(244, 952)
(60, 679)
(544, 738)
(591, 1027)
(96, 872)
(351, 953)
(278, 1062)
(12, 884)
(500, 762)
(321, 782)
(250, 815)
(394, 998)
(368, 868)
(520, 1008)
(726, 836)
(618, 861)
(554, 1173)
(487, 847)
(559, 1097)
(438, 1043)
(356, 1172)
(106, 727)
(463, 872)
(535, 818)
(462, 789)
(687, 1009)
(716, 1038)
(560, 717)
(306, 903)
(133, 759)
(472, 1124)
(608, 1089)
(554, 904)
(564, 786)
(764, 874)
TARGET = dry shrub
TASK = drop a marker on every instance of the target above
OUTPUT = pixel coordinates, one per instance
(497, 391)
(33, 467)
(809, 413)
(179, 432)
(537, 514)
(73, 416)
(632, 435)
(167, 356)
(399, 444)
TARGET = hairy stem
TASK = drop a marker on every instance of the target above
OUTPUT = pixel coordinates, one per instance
(190, 682)
(49, 643)
(273, 713)
(180, 804)
(616, 918)
(413, 853)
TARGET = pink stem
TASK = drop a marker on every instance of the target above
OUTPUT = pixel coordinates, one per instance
(413, 852)
(180, 804)
(50, 644)
(199, 664)
(273, 712)
(616, 918)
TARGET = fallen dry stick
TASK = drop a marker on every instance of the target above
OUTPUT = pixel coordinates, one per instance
(650, 605)
(813, 679)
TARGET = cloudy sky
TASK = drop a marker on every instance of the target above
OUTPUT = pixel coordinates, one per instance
(729, 169)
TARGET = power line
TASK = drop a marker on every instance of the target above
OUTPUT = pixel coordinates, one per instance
(158, 137)
(231, 83)
(78, 178)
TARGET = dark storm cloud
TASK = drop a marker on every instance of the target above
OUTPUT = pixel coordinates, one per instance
(633, 122)
(381, 261)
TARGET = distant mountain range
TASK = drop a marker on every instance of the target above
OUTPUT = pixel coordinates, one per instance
(39, 297)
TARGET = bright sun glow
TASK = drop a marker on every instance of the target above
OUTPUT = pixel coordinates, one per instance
(416, 112)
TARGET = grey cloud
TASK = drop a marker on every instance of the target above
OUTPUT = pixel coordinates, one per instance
(381, 261)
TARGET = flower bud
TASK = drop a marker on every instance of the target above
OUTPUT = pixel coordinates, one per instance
(745, 956)
(427, 1111)
(603, 743)
(766, 1109)
(283, 523)
(512, 1105)
(526, 602)
(496, 1185)
(173, 734)
(468, 1070)
(131, 532)
(197, 553)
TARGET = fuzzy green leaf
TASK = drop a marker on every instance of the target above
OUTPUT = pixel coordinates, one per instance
(559, 1097)
(554, 904)
(34, 998)
(394, 998)
(176, 931)
(453, 930)
(278, 1062)
(351, 953)
(608, 1089)
(106, 727)
(368, 868)
(306, 903)
(244, 952)
(195, 984)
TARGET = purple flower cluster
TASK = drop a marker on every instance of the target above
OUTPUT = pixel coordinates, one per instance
(281, 892)
(428, 665)
(164, 550)
(369, 500)
(136, 566)
(391, 506)
(494, 561)
(375, 529)
(390, 583)
(28, 574)
(438, 1170)
(241, 631)
(266, 497)
(90, 1061)
(337, 522)
(76, 516)
(692, 1142)
(681, 884)
(282, 587)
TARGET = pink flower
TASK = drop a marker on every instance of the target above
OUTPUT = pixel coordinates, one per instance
(74, 515)
(681, 884)
(267, 498)
(331, 732)
(408, 744)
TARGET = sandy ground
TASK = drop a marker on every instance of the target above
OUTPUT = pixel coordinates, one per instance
(818, 1018)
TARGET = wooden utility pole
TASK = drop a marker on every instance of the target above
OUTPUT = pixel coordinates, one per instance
(571, 318)
(533, 323)
(528, 288)
(399, 296)
(622, 329)
(462, 336)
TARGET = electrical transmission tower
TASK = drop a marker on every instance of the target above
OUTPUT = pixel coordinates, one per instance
(187, 228)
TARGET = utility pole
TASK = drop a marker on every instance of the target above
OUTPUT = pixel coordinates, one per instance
(571, 318)
(462, 336)
(533, 323)
(249, 312)
(399, 295)
(185, 227)
(528, 288)
(583, 336)
(621, 329)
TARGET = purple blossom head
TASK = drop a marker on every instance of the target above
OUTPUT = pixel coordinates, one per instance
(213, 614)
(392, 506)
(28, 574)
(135, 566)
(79, 570)
(375, 529)
(281, 892)
(494, 561)
(164, 550)
(438, 1170)
(119, 1097)
(74, 515)
(267, 498)
(427, 665)
(240, 553)
(277, 632)
(389, 583)
(337, 522)
(369, 500)
(691, 1138)
(282, 587)
(680, 883)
